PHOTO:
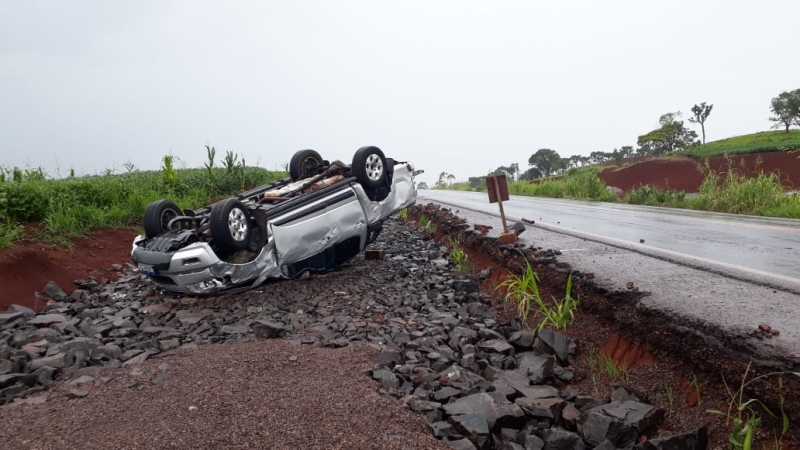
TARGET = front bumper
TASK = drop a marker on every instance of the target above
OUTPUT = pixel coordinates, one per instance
(196, 269)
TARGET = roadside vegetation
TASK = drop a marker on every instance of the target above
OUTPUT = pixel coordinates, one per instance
(522, 292)
(728, 192)
(72, 206)
(577, 184)
(767, 141)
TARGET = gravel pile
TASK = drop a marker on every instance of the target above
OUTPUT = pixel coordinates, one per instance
(439, 350)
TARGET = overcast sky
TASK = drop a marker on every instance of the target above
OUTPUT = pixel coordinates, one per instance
(454, 86)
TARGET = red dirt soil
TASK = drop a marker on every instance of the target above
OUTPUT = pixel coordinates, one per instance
(28, 266)
(685, 174)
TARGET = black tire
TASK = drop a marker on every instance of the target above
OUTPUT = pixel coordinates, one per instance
(230, 225)
(304, 163)
(157, 216)
(369, 168)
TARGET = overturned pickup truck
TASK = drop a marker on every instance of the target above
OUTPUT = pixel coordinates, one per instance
(320, 217)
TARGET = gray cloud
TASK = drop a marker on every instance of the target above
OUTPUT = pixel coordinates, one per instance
(456, 86)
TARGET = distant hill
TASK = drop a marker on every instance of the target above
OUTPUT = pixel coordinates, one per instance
(767, 141)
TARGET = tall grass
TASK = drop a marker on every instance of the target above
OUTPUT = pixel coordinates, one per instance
(735, 193)
(73, 206)
(580, 185)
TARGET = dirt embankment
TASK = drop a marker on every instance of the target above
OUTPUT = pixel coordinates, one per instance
(28, 266)
(686, 174)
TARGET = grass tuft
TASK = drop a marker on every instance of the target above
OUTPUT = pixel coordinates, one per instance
(523, 291)
(457, 254)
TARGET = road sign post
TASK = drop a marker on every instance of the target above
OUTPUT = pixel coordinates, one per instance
(498, 192)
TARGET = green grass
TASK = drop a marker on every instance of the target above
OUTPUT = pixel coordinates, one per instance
(578, 185)
(457, 254)
(743, 414)
(9, 232)
(71, 207)
(523, 291)
(728, 192)
(768, 141)
(600, 362)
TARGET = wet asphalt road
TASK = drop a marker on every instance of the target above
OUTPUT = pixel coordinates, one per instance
(761, 245)
(731, 272)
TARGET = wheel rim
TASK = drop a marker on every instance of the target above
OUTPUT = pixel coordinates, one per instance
(309, 166)
(237, 224)
(166, 216)
(374, 167)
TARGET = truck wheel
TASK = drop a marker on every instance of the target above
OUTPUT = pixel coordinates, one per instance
(157, 216)
(230, 225)
(304, 164)
(369, 168)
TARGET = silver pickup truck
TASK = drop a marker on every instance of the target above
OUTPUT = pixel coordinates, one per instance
(318, 218)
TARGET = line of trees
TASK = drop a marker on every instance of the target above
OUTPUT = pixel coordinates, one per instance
(671, 135)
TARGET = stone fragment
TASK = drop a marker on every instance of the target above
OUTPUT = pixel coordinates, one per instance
(623, 393)
(266, 329)
(57, 361)
(442, 429)
(136, 360)
(106, 352)
(76, 393)
(6, 366)
(27, 312)
(444, 394)
(533, 442)
(45, 320)
(570, 416)
(128, 354)
(83, 379)
(619, 422)
(461, 378)
(475, 403)
(471, 425)
(188, 317)
(387, 378)
(542, 408)
(513, 379)
(537, 367)
(522, 340)
(496, 346)
(560, 439)
(168, 344)
(558, 344)
(54, 291)
(7, 317)
(234, 329)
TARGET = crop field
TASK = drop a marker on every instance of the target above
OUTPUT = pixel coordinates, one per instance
(72, 206)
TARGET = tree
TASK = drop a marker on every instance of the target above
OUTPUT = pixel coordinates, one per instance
(626, 150)
(670, 136)
(422, 185)
(786, 107)
(701, 113)
(530, 174)
(476, 182)
(545, 160)
(451, 178)
(442, 177)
